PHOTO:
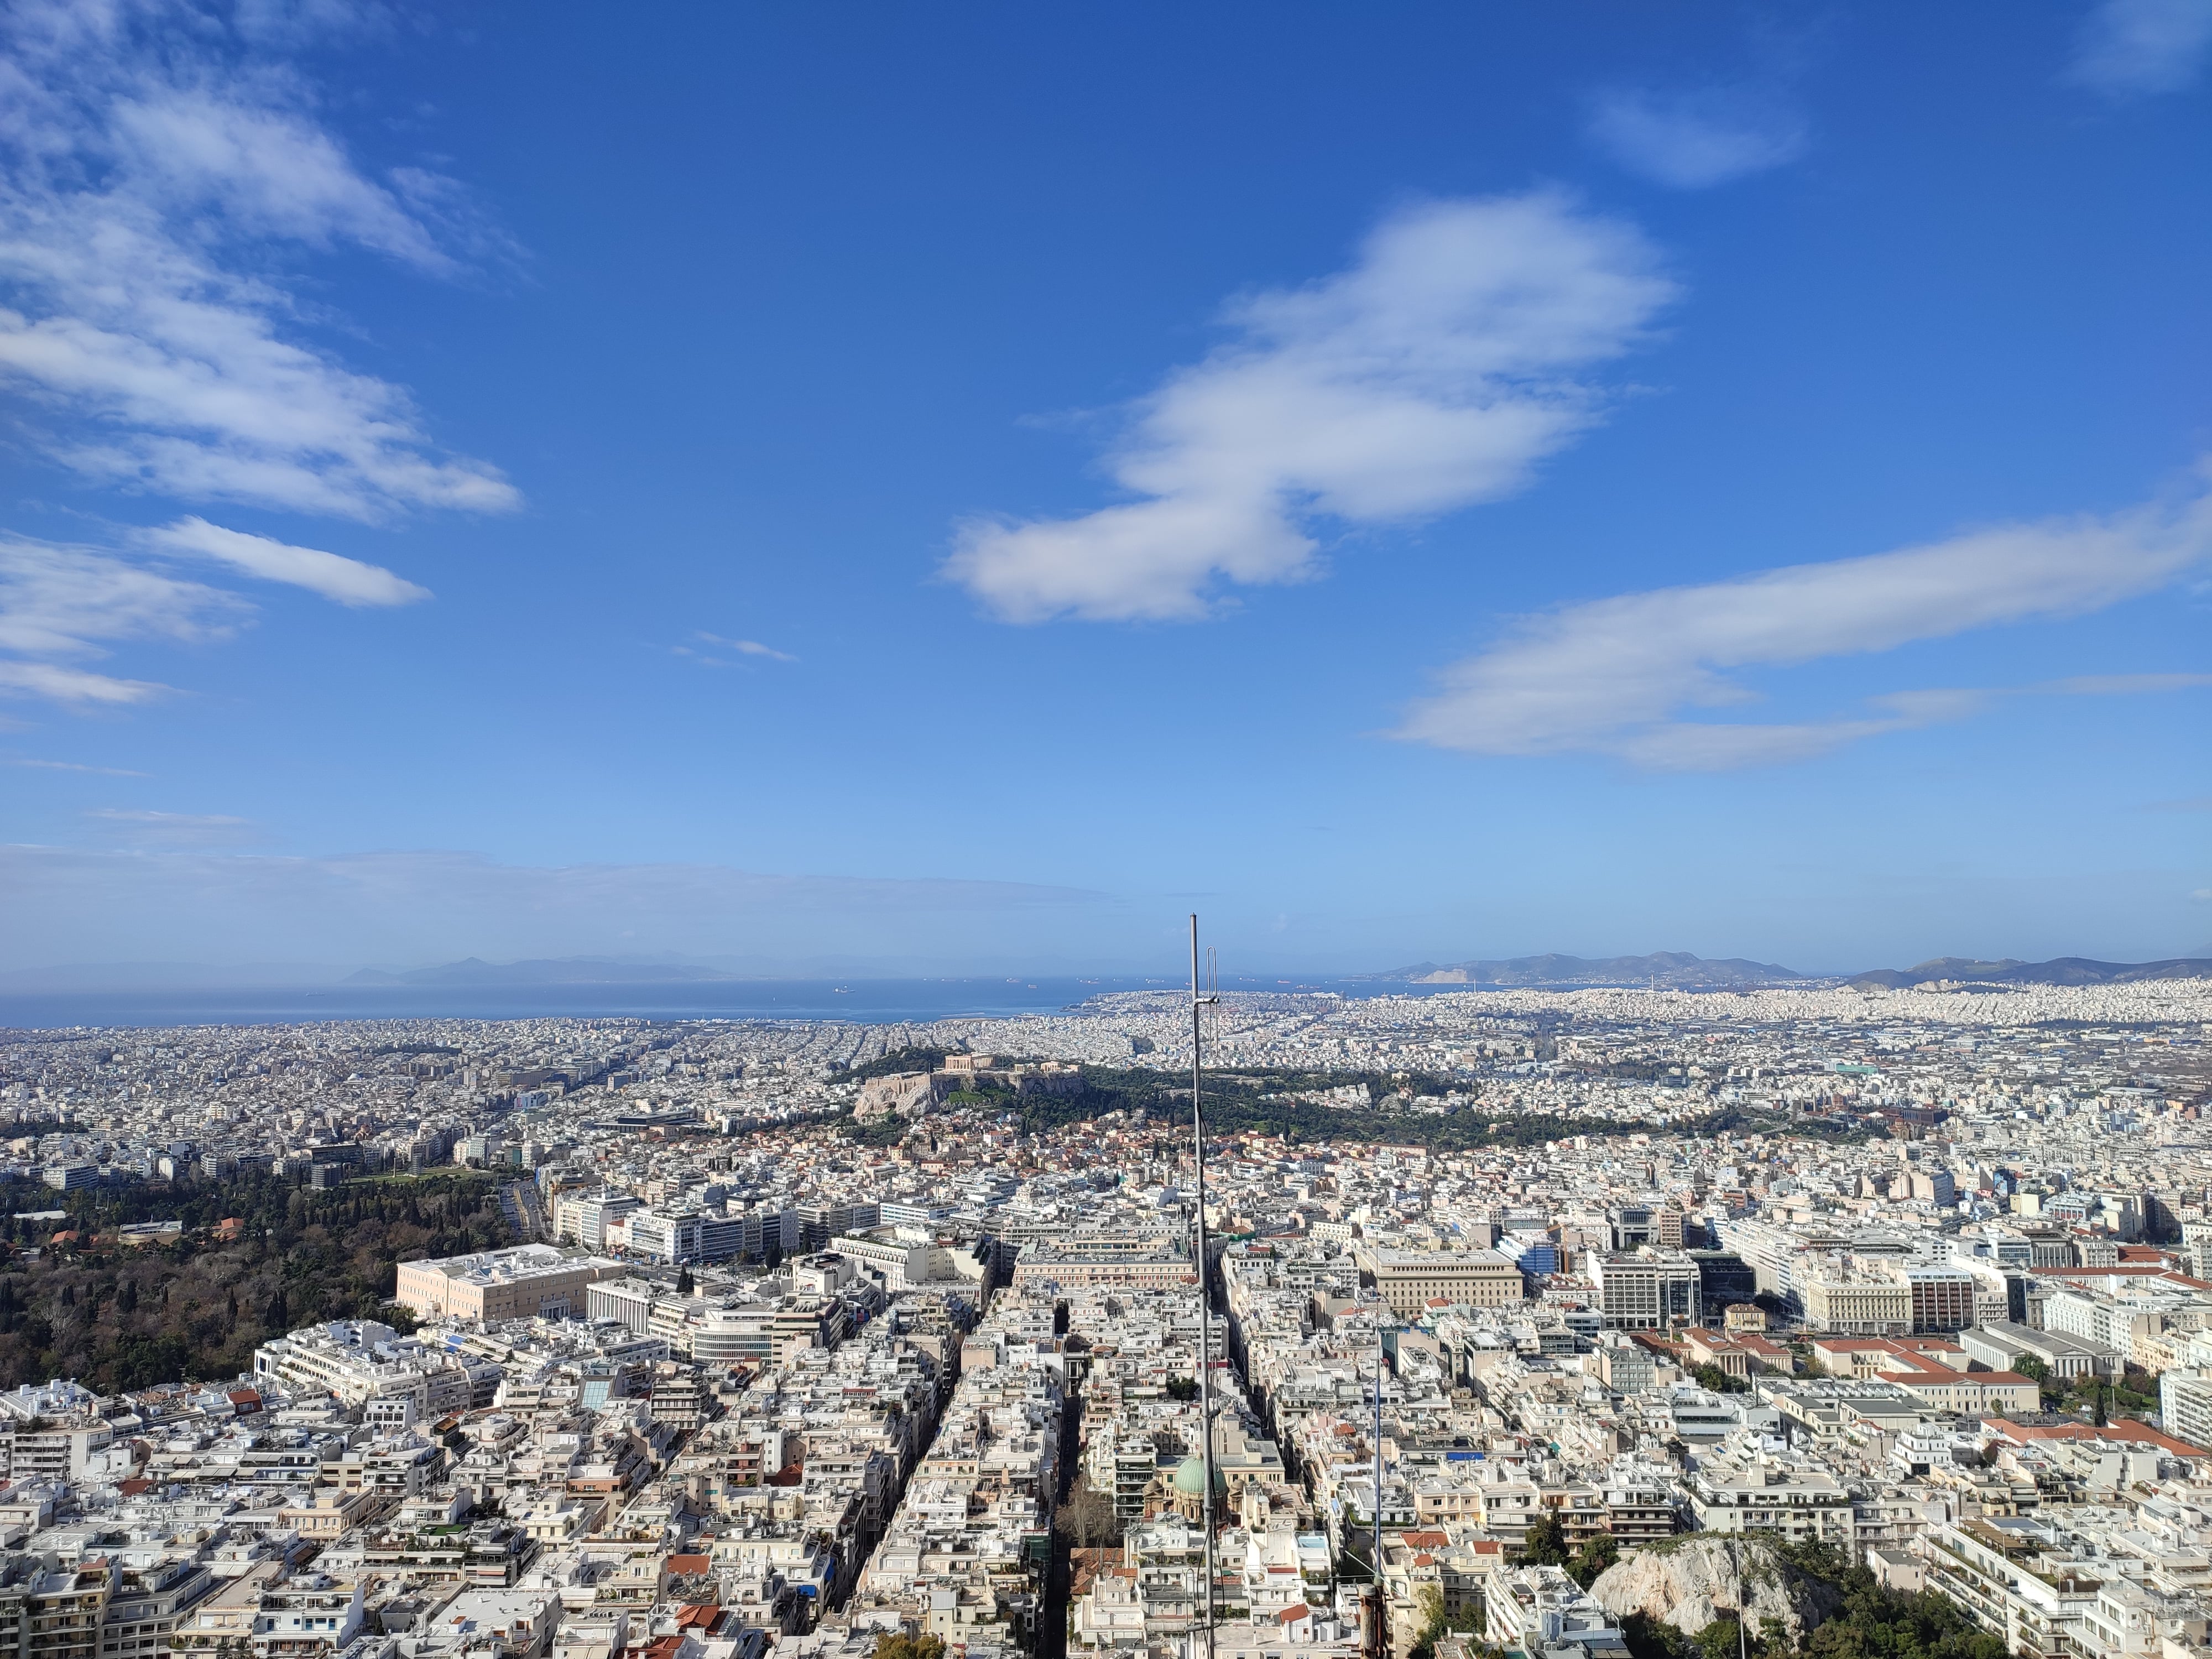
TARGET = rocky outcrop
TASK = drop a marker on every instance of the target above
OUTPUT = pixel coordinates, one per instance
(1689, 1582)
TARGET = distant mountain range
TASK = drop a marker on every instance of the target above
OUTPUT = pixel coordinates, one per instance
(569, 970)
(2060, 970)
(1678, 970)
(1674, 970)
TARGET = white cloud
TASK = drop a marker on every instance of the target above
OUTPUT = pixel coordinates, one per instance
(1433, 374)
(349, 582)
(746, 647)
(139, 161)
(57, 684)
(1694, 140)
(269, 172)
(2132, 48)
(156, 168)
(77, 766)
(1615, 676)
(61, 606)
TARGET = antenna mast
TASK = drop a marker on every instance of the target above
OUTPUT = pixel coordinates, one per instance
(1200, 1001)
(1374, 1645)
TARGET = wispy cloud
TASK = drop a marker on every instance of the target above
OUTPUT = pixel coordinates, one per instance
(2135, 48)
(1615, 677)
(144, 827)
(1694, 139)
(147, 902)
(158, 166)
(350, 581)
(148, 151)
(269, 170)
(74, 766)
(2122, 685)
(1434, 374)
(746, 647)
(56, 683)
(61, 606)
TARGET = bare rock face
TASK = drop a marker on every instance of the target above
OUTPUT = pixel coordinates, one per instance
(1693, 1580)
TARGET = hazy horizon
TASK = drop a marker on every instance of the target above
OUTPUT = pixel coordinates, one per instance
(708, 970)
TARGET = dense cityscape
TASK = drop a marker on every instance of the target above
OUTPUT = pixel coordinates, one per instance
(1628, 1322)
(628, 636)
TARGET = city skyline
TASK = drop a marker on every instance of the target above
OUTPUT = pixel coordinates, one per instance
(957, 494)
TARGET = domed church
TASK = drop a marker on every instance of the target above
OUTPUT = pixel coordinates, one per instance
(1185, 1492)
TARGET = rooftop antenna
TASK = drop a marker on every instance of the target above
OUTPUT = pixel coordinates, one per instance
(1200, 1000)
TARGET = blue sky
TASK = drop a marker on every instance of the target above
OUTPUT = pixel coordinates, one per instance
(956, 489)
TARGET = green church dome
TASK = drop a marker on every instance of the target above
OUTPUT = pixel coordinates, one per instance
(1190, 1478)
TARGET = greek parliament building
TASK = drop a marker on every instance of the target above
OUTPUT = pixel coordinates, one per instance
(526, 1282)
(1410, 1280)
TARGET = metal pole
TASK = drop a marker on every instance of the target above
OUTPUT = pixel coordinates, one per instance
(1375, 1544)
(1198, 1002)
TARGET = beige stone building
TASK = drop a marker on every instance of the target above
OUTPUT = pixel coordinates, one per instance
(1848, 1304)
(1410, 1280)
(521, 1282)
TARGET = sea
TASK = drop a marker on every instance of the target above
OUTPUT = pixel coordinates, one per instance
(877, 1001)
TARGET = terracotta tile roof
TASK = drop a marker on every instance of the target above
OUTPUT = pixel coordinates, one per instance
(2121, 1431)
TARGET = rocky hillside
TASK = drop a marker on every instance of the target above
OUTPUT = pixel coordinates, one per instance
(1689, 1582)
(2059, 970)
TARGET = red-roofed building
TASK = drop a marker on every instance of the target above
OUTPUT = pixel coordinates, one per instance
(1766, 1356)
(2125, 1431)
(1930, 1368)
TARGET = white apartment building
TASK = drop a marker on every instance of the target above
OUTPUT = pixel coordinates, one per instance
(1541, 1609)
(1791, 1500)
(2185, 1405)
(2120, 1323)
(359, 1360)
(584, 1216)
